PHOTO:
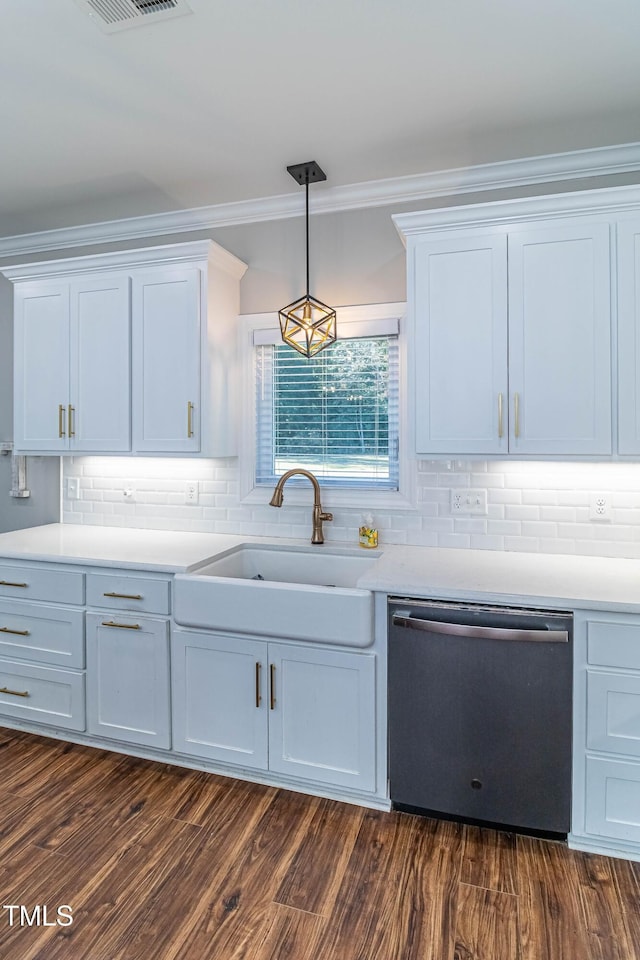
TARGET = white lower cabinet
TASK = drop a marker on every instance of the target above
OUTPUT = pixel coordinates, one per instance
(296, 711)
(303, 711)
(128, 678)
(607, 733)
(322, 715)
(218, 702)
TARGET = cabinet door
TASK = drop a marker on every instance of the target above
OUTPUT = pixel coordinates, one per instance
(322, 715)
(613, 799)
(41, 353)
(128, 678)
(166, 361)
(629, 336)
(220, 698)
(460, 359)
(559, 340)
(100, 395)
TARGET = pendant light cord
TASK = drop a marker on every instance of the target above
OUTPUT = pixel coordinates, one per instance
(306, 187)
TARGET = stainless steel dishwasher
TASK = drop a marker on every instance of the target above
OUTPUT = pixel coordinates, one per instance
(480, 702)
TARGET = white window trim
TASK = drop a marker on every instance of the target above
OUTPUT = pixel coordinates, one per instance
(347, 317)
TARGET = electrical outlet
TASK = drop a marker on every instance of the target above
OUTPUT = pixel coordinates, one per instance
(469, 501)
(128, 494)
(73, 488)
(599, 507)
(191, 492)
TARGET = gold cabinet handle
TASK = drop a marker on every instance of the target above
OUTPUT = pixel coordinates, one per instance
(17, 633)
(258, 697)
(500, 424)
(8, 583)
(61, 409)
(124, 596)
(72, 411)
(516, 410)
(121, 626)
(272, 687)
(190, 409)
(15, 693)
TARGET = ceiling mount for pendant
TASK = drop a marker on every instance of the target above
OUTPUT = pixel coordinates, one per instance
(306, 173)
(308, 325)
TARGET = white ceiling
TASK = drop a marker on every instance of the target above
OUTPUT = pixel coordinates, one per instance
(211, 107)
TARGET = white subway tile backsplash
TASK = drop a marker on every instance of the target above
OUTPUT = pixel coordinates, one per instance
(504, 496)
(522, 544)
(539, 528)
(454, 540)
(567, 514)
(486, 542)
(518, 511)
(540, 507)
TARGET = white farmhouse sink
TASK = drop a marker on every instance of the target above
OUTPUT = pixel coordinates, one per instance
(291, 565)
(306, 593)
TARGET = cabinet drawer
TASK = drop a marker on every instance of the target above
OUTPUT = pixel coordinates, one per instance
(613, 712)
(38, 583)
(613, 799)
(42, 694)
(120, 592)
(35, 631)
(614, 644)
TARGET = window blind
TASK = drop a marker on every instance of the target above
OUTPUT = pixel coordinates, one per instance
(336, 414)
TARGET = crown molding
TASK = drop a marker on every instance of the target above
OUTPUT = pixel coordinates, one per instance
(170, 254)
(607, 201)
(504, 174)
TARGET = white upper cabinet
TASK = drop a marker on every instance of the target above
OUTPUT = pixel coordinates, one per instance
(509, 333)
(166, 351)
(559, 340)
(72, 370)
(132, 351)
(41, 380)
(460, 341)
(629, 336)
(100, 390)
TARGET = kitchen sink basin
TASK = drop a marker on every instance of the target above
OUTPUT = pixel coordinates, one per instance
(303, 593)
(315, 566)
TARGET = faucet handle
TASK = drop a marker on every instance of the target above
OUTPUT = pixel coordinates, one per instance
(326, 516)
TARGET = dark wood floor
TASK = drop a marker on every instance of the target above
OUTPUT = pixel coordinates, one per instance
(161, 863)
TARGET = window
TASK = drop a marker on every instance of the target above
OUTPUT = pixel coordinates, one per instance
(336, 414)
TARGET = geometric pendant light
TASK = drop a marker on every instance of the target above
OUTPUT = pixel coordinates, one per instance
(307, 324)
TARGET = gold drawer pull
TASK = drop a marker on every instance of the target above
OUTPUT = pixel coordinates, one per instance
(272, 690)
(121, 626)
(72, 411)
(189, 419)
(15, 693)
(18, 633)
(61, 409)
(8, 583)
(516, 407)
(500, 416)
(124, 596)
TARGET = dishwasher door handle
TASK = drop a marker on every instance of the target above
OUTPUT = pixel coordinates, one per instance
(480, 633)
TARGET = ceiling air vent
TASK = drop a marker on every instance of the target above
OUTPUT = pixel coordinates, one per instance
(112, 15)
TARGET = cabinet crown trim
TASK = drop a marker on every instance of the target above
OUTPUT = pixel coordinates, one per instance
(177, 254)
(611, 201)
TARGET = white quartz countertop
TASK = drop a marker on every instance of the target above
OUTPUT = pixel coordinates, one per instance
(513, 578)
(167, 551)
(475, 575)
